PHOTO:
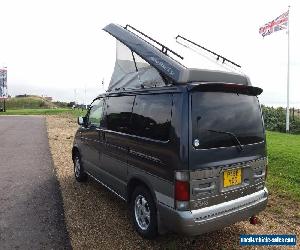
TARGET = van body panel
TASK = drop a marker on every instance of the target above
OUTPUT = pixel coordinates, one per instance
(114, 161)
(119, 156)
(220, 151)
(180, 131)
(90, 148)
(150, 156)
(225, 156)
(194, 138)
(208, 219)
(207, 187)
(161, 189)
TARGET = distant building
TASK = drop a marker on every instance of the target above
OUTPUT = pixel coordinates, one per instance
(3, 83)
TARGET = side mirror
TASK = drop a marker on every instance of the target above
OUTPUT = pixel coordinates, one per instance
(81, 121)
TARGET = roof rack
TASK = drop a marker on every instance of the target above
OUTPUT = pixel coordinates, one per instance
(164, 49)
(224, 59)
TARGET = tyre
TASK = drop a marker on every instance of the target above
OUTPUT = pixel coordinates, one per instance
(143, 212)
(79, 174)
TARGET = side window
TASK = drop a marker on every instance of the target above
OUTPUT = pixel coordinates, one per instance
(118, 114)
(151, 116)
(95, 113)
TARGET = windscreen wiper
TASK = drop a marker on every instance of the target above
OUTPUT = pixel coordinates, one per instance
(232, 135)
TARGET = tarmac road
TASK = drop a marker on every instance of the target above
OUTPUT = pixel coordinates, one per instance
(31, 210)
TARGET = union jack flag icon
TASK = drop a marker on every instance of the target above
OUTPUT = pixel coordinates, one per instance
(280, 23)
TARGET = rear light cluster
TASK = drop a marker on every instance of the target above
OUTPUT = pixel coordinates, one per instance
(182, 190)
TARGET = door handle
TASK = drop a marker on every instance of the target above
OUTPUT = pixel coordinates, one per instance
(102, 137)
(101, 134)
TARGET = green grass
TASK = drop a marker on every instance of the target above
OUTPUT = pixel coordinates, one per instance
(29, 102)
(284, 164)
(76, 112)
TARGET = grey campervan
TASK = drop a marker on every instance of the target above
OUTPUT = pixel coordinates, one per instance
(186, 148)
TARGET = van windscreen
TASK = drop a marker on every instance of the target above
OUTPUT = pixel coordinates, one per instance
(225, 119)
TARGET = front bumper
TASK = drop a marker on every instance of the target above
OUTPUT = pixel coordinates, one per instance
(211, 218)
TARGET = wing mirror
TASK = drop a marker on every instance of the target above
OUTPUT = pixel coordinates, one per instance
(81, 121)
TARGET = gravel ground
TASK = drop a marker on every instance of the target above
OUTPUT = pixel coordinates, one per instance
(97, 219)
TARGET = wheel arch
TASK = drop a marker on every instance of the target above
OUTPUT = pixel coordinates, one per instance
(75, 151)
(138, 180)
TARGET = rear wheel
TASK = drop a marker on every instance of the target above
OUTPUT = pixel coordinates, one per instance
(143, 212)
(79, 174)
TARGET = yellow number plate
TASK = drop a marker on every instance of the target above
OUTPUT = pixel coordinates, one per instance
(232, 177)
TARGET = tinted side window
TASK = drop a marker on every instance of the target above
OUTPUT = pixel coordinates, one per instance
(95, 113)
(119, 110)
(151, 116)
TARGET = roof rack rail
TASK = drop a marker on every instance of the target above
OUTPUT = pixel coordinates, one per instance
(224, 59)
(164, 49)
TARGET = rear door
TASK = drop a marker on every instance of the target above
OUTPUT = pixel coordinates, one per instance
(115, 153)
(227, 147)
(149, 145)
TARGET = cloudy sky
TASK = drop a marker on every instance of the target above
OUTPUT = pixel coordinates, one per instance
(57, 48)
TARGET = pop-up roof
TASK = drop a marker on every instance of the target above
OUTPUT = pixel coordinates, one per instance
(139, 63)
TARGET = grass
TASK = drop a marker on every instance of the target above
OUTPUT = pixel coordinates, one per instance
(284, 164)
(28, 102)
(57, 111)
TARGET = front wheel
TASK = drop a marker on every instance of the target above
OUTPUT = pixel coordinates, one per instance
(143, 212)
(79, 174)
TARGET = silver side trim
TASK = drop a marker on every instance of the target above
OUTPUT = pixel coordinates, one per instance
(144, 156)
(225, 208)
(234, 146)
(133, 136)
(113, 191)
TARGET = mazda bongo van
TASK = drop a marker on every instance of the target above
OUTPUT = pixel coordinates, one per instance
(185, 148)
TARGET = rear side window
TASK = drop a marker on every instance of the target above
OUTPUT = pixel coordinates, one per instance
(118, 114)
(151, 116)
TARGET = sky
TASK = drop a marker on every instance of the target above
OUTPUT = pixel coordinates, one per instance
(57, 48)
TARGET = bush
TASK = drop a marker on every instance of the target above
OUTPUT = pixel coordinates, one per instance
(274, 119)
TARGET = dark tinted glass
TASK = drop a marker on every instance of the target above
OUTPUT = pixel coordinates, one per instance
(119, 110)
(225, 112)
(151, 116)
(95, 113)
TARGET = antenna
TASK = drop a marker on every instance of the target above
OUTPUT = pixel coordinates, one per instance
(164, 49)
(224, 59)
